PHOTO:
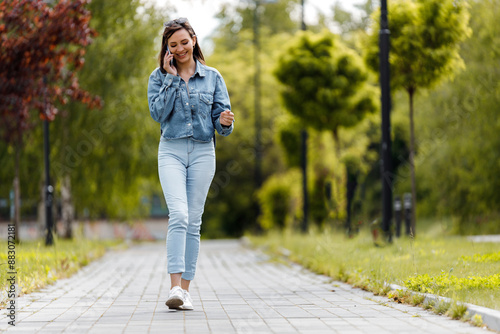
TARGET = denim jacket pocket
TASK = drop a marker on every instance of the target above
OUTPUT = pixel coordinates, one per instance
(205, 105)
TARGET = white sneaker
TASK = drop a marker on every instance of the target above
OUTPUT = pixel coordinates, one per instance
(188, 302)
(175, 297)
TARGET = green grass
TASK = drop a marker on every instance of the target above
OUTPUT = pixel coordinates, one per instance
(37, 265)
(449, 266)
(457, 311)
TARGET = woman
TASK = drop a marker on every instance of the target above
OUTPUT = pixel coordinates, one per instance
(190, 101)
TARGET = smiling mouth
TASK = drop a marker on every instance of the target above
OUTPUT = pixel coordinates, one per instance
(182, 55)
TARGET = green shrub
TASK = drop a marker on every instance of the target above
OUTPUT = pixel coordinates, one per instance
(280, 200)
(482, 258)
(432, 284)
(457, 310)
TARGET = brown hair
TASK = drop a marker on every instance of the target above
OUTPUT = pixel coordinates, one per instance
(170, 28)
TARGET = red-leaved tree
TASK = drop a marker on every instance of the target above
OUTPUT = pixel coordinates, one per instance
(42, 48)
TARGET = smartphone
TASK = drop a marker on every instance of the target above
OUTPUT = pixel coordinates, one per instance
(168, 53)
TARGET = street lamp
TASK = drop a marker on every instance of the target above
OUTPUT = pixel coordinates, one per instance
(49, 189)
(386, 163)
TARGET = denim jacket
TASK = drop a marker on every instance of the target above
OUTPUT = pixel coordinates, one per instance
(194, 113)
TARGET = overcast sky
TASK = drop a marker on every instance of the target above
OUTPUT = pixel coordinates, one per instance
(201, 13)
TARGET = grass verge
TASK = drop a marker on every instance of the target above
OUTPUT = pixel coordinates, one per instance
(37, 265)
(451, 267)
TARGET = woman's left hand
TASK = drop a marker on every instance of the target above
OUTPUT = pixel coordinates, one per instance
(226, 118)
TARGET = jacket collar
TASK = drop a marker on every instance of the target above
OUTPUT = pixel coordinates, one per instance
(200, 69)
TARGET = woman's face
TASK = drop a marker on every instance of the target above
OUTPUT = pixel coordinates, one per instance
(181, 45)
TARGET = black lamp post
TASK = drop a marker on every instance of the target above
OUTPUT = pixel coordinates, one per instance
(386, 162)
(49, 190)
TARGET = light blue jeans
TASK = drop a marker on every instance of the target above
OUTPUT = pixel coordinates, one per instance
(186, 168)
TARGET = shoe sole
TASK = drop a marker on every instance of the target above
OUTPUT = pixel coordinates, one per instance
(174, 302)
(186, 308)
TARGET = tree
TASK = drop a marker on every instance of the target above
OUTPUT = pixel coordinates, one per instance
(232, 201)
(42, 49)
(425, 42)
(109, 158)
(325, 85)
(230, 208)
(458, 130)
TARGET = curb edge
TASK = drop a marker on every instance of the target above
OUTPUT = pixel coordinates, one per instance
(491, 318)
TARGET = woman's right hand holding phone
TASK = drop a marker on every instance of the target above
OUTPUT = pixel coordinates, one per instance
(167, 63)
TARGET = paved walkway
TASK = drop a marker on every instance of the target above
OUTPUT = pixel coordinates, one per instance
(236, 290)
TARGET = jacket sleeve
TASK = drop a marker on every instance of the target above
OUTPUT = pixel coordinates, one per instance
(161, 95)
(221, 103)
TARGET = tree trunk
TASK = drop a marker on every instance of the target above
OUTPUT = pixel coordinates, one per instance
(338, 176)
(351, 184)
(411, 93)
(67, 207)
(337, 143)
(17, 192)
